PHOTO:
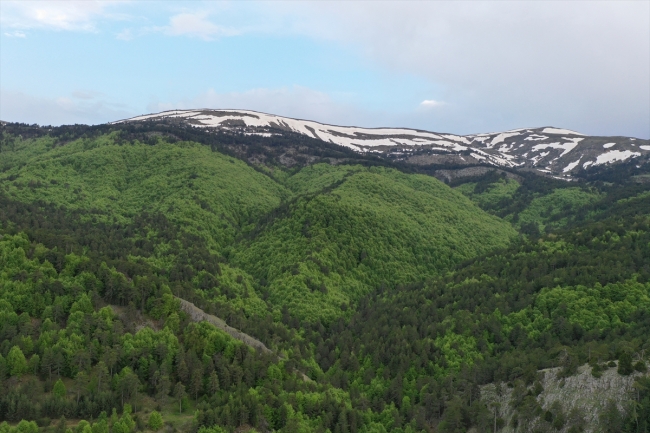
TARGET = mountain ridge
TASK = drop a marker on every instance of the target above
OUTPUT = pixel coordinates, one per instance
(547, 150)
(400, 297)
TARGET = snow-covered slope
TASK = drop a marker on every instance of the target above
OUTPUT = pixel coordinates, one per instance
(555, 151)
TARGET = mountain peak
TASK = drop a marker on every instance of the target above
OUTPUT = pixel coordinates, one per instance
(547, 150)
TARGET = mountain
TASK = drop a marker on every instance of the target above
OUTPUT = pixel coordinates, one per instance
(155, 275)
(548, 150)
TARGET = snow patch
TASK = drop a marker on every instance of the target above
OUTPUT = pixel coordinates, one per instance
(560, 131)
(571, 166)
(536, 159)
(535, 137)
(615, 155)
(608, 145)
(499, 138)
(567, 147)
(644, 147)
(456, 138)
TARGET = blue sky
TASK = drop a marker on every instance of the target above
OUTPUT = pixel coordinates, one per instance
(459, 67)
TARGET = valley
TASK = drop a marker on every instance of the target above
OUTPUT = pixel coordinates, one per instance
(281, 275)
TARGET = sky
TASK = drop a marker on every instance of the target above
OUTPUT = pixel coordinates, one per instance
(461, 67)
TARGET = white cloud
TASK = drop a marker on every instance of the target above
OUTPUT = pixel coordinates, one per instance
(431, 103)
(195, 25)
(83, 94)
(499, 65)
(55, 15)
(125, 35)
(582, 65)
(16, 34)
(294, 101)
(305, 103)
(81, 107)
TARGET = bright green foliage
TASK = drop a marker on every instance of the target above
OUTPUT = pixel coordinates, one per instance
(490, 196)
(387, 298)
(83, 427)
(205, 192)
(545, 210)
(377, 227)
(22, 427)
(124, 425)
(59, 389)
(318, 177)
(597, 308)
(155, 421)
(100, 426)
(16, 362)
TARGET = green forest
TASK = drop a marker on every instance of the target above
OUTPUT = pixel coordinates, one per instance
(388, 300)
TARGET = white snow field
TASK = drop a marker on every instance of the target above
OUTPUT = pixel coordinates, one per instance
(615, 155)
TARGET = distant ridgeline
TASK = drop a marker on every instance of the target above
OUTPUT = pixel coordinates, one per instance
(360, 293)
(549, 151)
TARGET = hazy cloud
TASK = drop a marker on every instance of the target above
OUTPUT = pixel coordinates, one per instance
(498, 65)
(81, 107)
(81, 94)
(16, 34)
(55, 15)
(196, 25)
(431, 103)
(583, 65)
(304, 103)
(125, 35)
(295, 101)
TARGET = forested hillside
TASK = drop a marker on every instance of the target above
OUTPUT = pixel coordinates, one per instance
(388, 299)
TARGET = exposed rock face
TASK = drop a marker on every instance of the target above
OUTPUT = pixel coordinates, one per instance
(198, 315)
(581, 396)
(451, 175)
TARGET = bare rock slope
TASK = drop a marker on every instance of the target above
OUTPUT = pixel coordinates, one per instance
(581, 398)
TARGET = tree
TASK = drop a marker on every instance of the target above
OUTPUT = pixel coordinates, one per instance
(80, 384)
(101, 372)
(610, 419)
(34, 362)
(3, 368)
(47, 364)
(128, 384)
(196, 381)
(155, 421)
(179, 393)
(100, 426)
(61, 425)
(59, 390)
(26, 427)
(625, 364)
(16, 362)
(182, 370)
(495, 406)
(213, 383)
(453, 418)
(163, 388)
(110, 359)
